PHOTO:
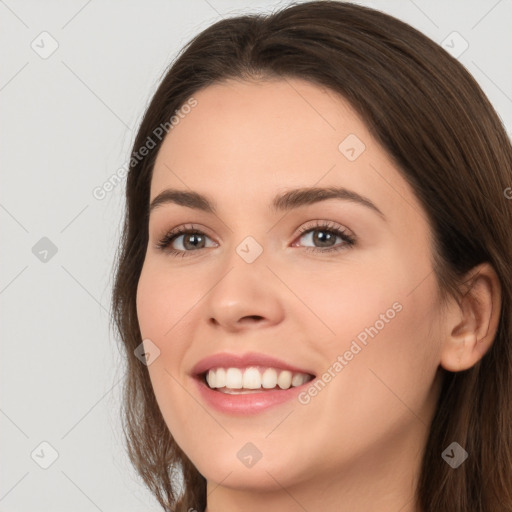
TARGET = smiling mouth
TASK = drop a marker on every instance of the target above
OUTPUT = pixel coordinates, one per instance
(252, 379)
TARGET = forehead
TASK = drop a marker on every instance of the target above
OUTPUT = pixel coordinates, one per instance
(251, 139)
(262, 122)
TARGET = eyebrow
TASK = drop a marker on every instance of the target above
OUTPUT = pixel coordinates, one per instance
(283, 202)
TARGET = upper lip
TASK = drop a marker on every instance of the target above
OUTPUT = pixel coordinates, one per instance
(228, 360)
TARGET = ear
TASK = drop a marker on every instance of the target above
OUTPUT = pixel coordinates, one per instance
(473, 323)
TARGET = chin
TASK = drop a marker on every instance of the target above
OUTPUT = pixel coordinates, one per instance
(259, 478)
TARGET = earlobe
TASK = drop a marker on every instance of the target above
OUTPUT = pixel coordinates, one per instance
(472, 324)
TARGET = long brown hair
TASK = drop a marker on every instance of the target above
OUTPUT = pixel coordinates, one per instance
(447, 141)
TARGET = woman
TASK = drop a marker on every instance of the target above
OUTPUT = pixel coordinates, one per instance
(336, 331)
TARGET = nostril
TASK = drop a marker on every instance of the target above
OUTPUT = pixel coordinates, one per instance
(252, 317)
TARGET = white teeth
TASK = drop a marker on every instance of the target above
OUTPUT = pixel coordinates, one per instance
(298, 379)
(284, 381)
(269, 378)
(210, 378)
(220, 378)
(234, 378)
(252, 378)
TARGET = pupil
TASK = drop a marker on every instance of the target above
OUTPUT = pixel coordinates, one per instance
(322, 239)
(192, 237)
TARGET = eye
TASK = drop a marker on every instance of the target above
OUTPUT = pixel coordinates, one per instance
(182, 240)
(186, 239)
(325, 234)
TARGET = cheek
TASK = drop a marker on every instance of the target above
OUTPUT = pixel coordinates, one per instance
(383, 383)
(389, 357)
(383, 325)
(165, 308)
(164, 303)
(356, 299)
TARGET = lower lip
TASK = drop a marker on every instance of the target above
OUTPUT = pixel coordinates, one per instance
(250, 403)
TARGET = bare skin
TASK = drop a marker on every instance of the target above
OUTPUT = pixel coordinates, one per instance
(356, 445)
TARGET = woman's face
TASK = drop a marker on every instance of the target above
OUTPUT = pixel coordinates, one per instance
(335, 286)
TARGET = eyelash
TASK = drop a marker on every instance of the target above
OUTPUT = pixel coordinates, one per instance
(329, 227)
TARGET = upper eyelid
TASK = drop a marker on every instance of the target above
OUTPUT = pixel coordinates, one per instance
(186, 229)
(322, 224)
(305, 226)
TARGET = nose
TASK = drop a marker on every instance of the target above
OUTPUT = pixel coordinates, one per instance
(248, 296)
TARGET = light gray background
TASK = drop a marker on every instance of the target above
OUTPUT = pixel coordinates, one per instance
(68, 122)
